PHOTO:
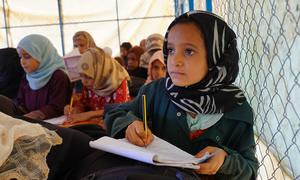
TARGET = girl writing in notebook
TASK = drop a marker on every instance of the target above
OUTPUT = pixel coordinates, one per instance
(104, 81)
(196, 107)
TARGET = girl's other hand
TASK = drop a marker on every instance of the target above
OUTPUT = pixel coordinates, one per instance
(136, 134)
(75, 110)
(212, 165)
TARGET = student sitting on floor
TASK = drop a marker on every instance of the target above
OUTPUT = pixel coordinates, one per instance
(104, 81)
(46, 89)
(196, 107)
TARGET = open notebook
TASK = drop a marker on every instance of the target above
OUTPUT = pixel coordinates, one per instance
(159, 152)
(58, 120)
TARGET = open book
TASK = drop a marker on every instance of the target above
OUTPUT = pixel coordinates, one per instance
(71, 60)
(159, 152)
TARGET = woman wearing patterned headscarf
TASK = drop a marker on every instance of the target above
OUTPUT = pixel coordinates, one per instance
(196, 107)
(104, 82)
(83, 40)
(46, 89)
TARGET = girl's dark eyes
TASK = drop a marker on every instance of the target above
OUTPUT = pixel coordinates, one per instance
(171, 50)
(26, 56)
(189, 52)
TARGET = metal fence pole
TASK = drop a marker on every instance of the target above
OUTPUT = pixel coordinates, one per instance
(61, 26)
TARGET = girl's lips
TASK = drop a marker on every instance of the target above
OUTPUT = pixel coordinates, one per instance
(177, 73)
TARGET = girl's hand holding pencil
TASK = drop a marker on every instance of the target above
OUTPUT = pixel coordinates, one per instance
(138, 132)
(67, 111)
(135, 133)
(70, 109)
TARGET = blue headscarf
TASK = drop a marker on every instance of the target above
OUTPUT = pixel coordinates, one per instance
(41, 49)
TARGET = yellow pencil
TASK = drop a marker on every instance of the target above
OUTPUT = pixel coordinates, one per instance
(71, 105)
(145, 115)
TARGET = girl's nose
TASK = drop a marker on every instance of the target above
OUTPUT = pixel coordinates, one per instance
(22, 61)
(177, 59)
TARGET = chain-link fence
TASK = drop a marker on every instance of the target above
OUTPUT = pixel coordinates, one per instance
(268, 36)
(269, 42)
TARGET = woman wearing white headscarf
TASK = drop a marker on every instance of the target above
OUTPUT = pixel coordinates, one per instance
(156, 68)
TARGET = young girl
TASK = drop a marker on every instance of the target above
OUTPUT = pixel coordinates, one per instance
(104, 81)
(157, 67)
(196, 108)
(46, 89)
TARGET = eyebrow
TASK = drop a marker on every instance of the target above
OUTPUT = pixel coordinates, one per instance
(188, 44)
(25, 54)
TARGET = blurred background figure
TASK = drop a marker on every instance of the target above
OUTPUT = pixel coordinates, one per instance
(137, 74)
(108, 51)
(11, 72)
(154, 42)
(124, 48)
(143, 44)
(120, 60)
(83, 40)
(157, 67)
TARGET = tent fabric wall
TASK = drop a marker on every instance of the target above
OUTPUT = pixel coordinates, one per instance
(134, 21)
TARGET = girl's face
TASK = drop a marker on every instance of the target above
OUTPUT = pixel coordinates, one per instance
(158, 70)
(124, 52)
(187, 57)
(28, 63)
(87, 81)
(133, 62)
(81, 43)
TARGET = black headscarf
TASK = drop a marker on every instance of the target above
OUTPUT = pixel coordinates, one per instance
(215, 93)
(11, 72)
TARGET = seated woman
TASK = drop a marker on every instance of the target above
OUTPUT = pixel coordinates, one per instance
(46, 89)
(104, 81)
(157, 67)
(11, 72)
(83, 40)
